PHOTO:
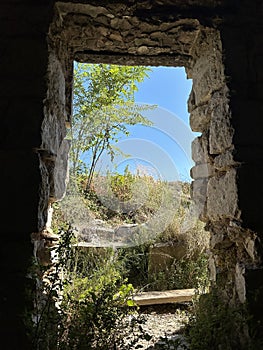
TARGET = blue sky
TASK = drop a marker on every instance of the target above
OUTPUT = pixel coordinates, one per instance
(165, 147)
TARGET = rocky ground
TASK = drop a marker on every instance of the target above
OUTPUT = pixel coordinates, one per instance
(164, 324)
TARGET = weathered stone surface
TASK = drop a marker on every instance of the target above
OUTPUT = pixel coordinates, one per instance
(126, 31)
(53, 125)
(210, 78)
(220, 131)
(212, 109)
(222, 196)
(42, 244)
(212, 268)
(201, 171)
(207, 71)
(199, 149)
(199, 194)
(225, 161)
(245, 240)
(125, 232)
(162, 256)
(219, 238)
(199, 118)
(61, 171)
(96, 235)
(164, 297)
(240, 283)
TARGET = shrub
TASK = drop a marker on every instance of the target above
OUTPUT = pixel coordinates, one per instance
(190, 272)
(135, 262)
(215, 324)
(85, 301)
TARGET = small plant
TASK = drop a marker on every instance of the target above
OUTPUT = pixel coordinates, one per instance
(135, 262)
(216, 324)
(97, 306)
(47, 316)
(190, 272)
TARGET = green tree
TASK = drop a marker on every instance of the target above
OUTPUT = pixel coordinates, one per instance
(103, 107)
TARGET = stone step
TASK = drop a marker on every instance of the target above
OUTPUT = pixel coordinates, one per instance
(164, 297)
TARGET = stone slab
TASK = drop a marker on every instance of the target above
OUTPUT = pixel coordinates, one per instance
(164, 297)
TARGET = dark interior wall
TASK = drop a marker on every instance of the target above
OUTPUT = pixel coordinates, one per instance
(242, 41)
(23, 66)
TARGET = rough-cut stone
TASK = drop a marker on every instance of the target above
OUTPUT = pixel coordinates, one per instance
(207, 71)
(164, 297)
(61, 170)
(225, 161)
(212, 268)
(199, 118)
(199, 149)
(199, 194)
(201, 171)
(222, 197)
(240, 283)
(220, 131)
(163, 255)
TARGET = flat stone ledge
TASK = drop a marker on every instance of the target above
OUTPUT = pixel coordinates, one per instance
(164, 297)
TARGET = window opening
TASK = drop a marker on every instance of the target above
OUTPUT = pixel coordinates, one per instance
(128, 197)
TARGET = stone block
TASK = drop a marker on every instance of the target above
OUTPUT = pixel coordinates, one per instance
(222, 196)
(225, 161)
(199, 195)
(61, 170)
(199, 149)
(208, 76)
(199, 119)
(201, 171)
(163, 255)
(221, 131)
(216, 104)
(240, 283)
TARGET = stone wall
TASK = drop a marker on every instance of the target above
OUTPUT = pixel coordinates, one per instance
(215, 189)
(204, 42)
(220, 44)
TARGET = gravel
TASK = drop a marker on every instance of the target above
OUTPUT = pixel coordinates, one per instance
(165, 326)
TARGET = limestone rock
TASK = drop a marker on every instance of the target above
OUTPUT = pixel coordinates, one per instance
(199, 195)
(201, 171)
(240, 282)
(225, 161)
(163, 255)
(199, 148)
(199, 118)
(221, 132)
(222, 196)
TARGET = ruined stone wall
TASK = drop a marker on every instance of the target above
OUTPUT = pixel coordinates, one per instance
(209, 44)
(219, 43)
(226, 106)
(215, 185)
(116, 33)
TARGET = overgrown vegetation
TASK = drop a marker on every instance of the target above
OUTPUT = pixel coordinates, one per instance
(217, 324)
(85, 299)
